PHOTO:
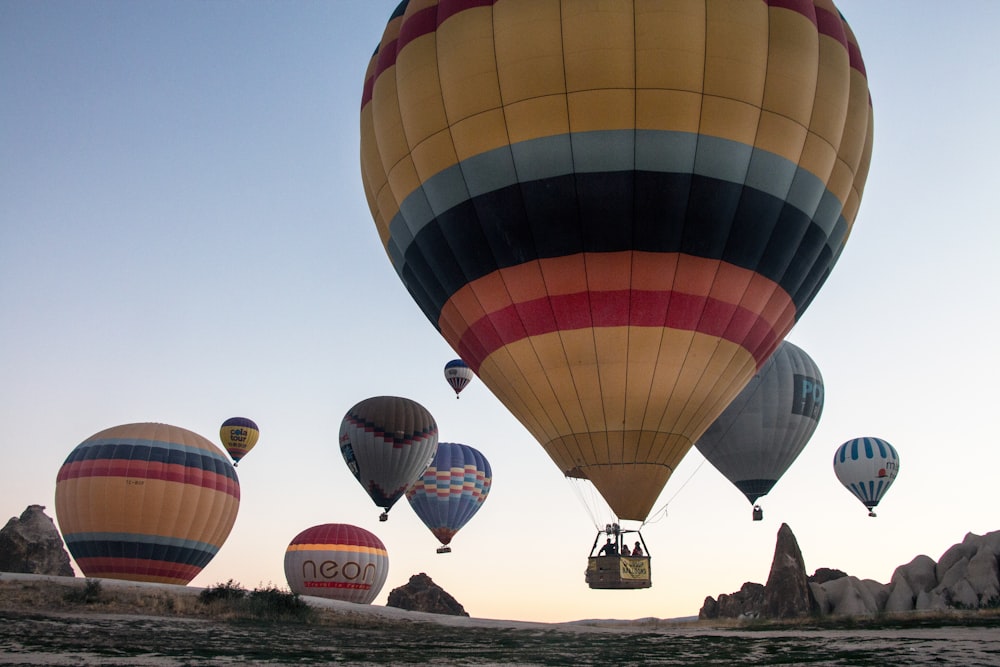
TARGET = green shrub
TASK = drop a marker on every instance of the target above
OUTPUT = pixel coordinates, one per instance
(228, 592)
(263, 603)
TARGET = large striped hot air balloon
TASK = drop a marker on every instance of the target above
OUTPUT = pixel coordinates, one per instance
(866, 467)
(451, 490)
(387, 442)
(761, 433)
(337, 561)
(614, 211)
(146, 502)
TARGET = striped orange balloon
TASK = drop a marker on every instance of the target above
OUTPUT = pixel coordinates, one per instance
(146, 502)
(612, 210)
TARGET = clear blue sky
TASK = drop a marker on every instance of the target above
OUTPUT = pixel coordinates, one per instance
(184, 238)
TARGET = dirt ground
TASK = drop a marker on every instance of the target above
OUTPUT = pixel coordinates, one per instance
(142, 624)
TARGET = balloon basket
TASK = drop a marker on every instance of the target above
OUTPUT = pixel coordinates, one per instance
(758, 513)
(444, 550)
(384, 516)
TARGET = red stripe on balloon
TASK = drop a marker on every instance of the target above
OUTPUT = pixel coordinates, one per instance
(109, 567)
(154, 470)
(619, 308)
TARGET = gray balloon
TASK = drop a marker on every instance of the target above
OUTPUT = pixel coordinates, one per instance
(758, 437)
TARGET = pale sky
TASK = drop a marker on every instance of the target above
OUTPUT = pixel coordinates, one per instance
(184, 238)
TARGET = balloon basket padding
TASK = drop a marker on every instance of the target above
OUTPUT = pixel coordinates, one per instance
(610, 573)
(444, 550)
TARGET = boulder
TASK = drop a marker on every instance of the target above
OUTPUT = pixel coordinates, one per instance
(31, 544)
(422, 594)
(849, 597)
(901, 596)
(920, 574)
(786, 594)
(984, 575)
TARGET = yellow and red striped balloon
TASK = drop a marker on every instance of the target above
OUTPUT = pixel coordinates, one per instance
(615, 210)
(146, 502)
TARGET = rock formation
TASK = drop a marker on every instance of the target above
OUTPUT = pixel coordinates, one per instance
(31, 544)
(422, 594)
(786, 593)
(967, 576)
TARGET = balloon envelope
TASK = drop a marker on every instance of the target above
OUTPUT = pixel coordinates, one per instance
(458, 374)
(238, 435)
(614, 212)
(760, 434)
(867, 467)
(387, 442)
(146, 502)
(451, 490)
(337, 561)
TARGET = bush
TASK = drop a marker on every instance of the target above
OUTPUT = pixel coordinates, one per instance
(89, 594)
(267, 603)
(227, 592)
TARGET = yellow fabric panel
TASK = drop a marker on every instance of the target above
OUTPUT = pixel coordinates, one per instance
(467, 63)
(433, 155)
(670, 45)
(403, 178)
(736, 54)
(730, 119)
(667, 110)
(529, 49)
(612, 345)
(598, 42)
(832, 85)
(818, 156)
(602, 110)
(419, 90)
(854, 140)
(537, 117)
(793, 54)
(631, 490)
(479, 133)
(779, 135)
(388, 124)
(388, 205)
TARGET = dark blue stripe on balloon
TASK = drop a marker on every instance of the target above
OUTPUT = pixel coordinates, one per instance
(166, 453)
(142, 550)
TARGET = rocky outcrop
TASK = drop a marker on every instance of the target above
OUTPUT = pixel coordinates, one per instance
(422, 594)
(31, 544)
(786, 593)
(967, 576)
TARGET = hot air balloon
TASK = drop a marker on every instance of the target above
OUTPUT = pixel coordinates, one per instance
(760, 434)
(615, 211)
(458, 374)
(146, 502)
(238, 435)
(451, 490)
(866, 467)
(387, 442)
(336, 561)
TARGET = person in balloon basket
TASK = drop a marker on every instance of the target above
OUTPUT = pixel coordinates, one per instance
(609, 549)
(636, 550)
(625, 551)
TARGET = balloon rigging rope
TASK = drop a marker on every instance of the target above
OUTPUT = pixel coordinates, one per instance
(655, 516)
